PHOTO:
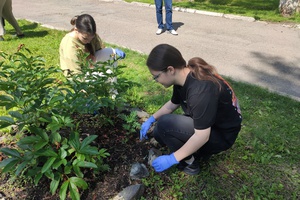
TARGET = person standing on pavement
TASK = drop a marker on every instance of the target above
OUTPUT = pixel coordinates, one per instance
(211, 120)
(83, 38)
(7, 14)
(159, 16)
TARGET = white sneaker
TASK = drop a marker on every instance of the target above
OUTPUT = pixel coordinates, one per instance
(173, 32)
(159, 31)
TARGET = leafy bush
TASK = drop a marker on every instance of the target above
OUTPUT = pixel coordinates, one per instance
(41, 106)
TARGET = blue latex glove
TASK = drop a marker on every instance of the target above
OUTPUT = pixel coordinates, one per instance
(164, 162)
(145, 127)
(120, 53)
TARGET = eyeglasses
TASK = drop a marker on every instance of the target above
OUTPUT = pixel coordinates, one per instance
(157, 76)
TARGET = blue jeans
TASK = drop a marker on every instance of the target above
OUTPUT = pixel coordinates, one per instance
(159, 15)
(175, 130)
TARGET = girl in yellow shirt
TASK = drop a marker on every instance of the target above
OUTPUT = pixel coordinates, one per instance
(83, 37)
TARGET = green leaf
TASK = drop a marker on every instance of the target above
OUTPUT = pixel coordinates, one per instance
(74, 192)
(54, 185)
(5, 162)
(79, 182)
(7, 86)
(87, 164)
(10, 152)
(63, 190)
(49, 174)
(78, 171)
(89, 150)
(47, 152)
(74, 142)
(55, 99)
(48, 164)
(42, 119)
(7, 119)
(54, 119)
(29, 140)
(4, 98)
(4, 124)
(37, 178)
(40, 132)
(10, 165)
(16, 114)
(68, 169)
(58, 163)
(88, 140)
(103, 153)
(9, 106)
(79, 157)
(21, 167)
(40, 145)
(55, 137)
(54, 126)
(63, 153)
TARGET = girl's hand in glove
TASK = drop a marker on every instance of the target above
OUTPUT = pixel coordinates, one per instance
(164, 162)
(145, 127)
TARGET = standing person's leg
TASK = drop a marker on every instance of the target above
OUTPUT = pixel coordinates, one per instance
(159, 16)
(8, 15)
(169, 12)
(2, 2)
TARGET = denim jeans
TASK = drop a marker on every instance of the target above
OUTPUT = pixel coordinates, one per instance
(175, 130)
(159, 15)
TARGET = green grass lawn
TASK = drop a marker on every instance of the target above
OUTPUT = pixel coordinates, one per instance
(259, 9)
(263, 163)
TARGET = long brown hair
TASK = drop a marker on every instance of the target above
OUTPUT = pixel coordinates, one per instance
(201, 70)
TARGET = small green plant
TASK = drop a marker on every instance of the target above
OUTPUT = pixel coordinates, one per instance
(154, 181)
(131, 122)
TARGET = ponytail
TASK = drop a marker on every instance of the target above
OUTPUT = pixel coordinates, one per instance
(201, 70)
(73, 22)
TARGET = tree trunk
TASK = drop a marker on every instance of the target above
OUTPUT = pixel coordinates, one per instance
(289, 7)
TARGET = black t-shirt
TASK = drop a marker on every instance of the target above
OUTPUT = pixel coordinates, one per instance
(207, 104)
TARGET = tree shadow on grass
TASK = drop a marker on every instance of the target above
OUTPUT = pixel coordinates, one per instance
(280, 75)
(256, 4)
(252, 5)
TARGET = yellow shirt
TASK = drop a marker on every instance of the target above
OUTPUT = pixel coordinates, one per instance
(68, 52)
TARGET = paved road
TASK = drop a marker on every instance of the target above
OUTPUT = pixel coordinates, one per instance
(264, 54)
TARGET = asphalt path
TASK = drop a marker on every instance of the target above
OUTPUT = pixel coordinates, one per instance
(260, 53)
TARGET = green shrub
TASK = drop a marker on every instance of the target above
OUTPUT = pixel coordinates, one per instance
(41, 106)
